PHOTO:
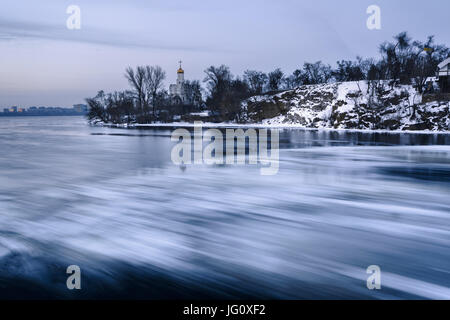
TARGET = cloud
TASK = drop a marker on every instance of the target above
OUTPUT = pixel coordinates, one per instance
(19, 30)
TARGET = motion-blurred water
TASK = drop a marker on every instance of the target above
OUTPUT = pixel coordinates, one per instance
(112, 202)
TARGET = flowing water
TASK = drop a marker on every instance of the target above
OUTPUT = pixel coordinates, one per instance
(112, 202)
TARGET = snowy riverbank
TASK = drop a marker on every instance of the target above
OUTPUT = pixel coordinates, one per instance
(280, 126)
(357, 106)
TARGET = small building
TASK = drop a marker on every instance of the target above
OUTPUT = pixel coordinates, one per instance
(176, 90)
(443, 74)
(13, 109)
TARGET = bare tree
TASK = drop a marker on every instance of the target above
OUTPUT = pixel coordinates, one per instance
(217, 78)
(225, 92)
(193, 93)
(296, 79)
(255, 80)
(153, 80)
(146, 81)
(275, 79)
(137, 82)
(314, 73)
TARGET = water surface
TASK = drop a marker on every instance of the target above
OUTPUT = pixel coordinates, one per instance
(112, 202)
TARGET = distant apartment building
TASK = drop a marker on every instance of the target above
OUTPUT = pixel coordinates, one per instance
(80, 108)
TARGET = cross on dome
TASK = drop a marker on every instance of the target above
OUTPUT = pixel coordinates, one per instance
(180, 70)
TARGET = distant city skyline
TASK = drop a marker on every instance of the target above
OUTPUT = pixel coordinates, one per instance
(77, 109)
(44, 63)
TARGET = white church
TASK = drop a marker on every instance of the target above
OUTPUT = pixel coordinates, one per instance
(177, 90)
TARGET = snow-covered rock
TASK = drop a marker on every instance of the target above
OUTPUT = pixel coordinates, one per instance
(350, 105)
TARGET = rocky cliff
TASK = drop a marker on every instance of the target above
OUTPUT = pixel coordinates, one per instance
(351, 105)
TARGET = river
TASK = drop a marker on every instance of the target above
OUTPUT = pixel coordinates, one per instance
(112, 202)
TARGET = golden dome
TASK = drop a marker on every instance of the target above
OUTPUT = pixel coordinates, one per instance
(180, 70)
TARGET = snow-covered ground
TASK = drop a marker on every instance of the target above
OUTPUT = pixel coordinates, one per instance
(265, 124)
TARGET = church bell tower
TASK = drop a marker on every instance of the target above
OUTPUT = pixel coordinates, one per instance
(177, 89)
(180, 75)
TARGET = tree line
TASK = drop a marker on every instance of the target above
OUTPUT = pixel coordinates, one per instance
(401, 61)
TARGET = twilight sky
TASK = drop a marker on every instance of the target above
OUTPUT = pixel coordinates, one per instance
(42, 63)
